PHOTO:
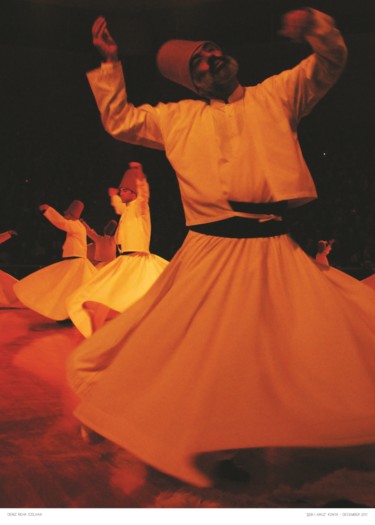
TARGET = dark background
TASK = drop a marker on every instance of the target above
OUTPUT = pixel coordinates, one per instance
(54, 149)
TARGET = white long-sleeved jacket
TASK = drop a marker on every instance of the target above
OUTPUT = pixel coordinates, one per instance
(75, 244)
(246, 150)
(133, 232)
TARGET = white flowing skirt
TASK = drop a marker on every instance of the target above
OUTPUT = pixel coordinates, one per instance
(370, 281)
(117, 285)
(7, 295)
(239, 344)
(46, 291)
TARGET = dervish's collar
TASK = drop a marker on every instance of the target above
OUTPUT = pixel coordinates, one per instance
(237, 94)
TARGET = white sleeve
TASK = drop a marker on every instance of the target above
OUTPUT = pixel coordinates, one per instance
(143, 195)
(91, 233)
(117, 204)
(303, 86)
(121, 119)
(55, 218)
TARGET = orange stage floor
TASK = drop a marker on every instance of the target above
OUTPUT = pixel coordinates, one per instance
(44, 463)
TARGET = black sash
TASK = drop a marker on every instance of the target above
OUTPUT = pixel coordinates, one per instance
(265, 208)
(241, 228)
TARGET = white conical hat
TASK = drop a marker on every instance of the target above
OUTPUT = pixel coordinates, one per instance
(75, 209)
(129, 179)
(173, 60)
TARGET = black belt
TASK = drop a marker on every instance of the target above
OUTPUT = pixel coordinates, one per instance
(72, 257)
(265, 208)
(119, 252)
(241, 228)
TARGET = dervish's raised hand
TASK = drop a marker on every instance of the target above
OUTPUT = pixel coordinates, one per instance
(103, 41)
(296, 24)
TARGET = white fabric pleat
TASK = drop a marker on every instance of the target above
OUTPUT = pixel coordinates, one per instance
(240, 343)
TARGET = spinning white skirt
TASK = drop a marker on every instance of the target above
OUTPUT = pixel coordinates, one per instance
(370, 281)
(239, 344)
(117, 286)
(47, 290)
(7, 296)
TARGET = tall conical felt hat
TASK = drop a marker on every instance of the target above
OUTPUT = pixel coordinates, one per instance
(129, 179)
(110, 227)
(173, 60)
(75, 209)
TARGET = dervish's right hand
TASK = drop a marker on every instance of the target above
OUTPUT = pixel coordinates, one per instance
(103, 41)
(12, 232)
(112, 191)
(43, 207)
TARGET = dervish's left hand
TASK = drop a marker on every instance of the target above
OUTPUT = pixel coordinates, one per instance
(297, 24)
(43, 207)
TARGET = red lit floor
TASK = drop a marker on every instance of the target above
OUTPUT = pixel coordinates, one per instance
(44, 463)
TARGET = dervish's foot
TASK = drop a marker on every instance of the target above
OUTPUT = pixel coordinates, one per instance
(89, 436)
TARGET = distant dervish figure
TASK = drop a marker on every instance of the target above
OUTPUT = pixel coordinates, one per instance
(126, 279)
(103, 246)
(46, 290)
(324, 248)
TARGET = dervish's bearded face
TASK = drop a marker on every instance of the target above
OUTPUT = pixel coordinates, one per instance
(127, 195)
(214, 74)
